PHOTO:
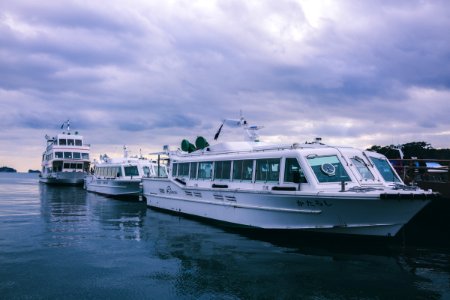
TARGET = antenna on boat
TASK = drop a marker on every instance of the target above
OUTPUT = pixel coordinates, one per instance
(251, 131)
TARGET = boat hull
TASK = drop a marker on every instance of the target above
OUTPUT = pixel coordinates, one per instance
(63, 178)
(343, 213)
(113, 187)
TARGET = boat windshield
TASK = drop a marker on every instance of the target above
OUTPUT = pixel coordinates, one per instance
(362, 168)
(328, 169)
(131, 171)
(385, 169)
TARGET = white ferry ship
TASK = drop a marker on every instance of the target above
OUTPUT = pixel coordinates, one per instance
(311, 187)
(65, 159)
(122, 176)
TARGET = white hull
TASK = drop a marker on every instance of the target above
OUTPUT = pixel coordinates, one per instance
(63, 178)
(345, 213)
(113, 187)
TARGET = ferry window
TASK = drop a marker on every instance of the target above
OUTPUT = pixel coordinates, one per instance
(267, 169)
(80, 166)
(66, 166)
(362, 168)
(222, 169)
(57, 166)
(78, 143)
(174, 169)
(67, 154)
(293, 172)
(328, 169)
(183, 169)
(62, 142)
(76, 155)
(385, 169)
(119, 171)
(131, 171)
(73, 166)
(193, 173)
(243, 169)
(58, 154)
(85, 155)
(205, 170)
(70, 142)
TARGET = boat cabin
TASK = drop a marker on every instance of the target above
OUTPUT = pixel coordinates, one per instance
(259, 166)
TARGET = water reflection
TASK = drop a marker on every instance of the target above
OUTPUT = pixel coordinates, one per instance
(74, 244)
(72, 214)
(234, 264)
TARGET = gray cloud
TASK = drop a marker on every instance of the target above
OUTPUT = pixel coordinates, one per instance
(152, 72)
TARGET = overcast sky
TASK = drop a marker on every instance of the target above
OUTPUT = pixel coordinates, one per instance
(148, 73)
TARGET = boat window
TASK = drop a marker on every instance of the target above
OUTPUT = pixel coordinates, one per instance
(85, 155)
(70, 142)
(62, 142)
(293, 172)
(385, 169)
(243, 169)
(58, 154)
(205, 170)
(78, 143)
(222, 169)
(57, 166)
(362, 168)
(80, 166)
(131, 171)
(67, 154)
(146, 170)
(183, 170)
(162, 171)
(174, 169)
(119, 172)
(328, 169)
(73, 166)
(267, 169)
(193, 172)
(66, 166)
(76, 155)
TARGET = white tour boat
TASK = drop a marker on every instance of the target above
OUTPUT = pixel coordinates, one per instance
(311, 186)
(122, 176)
(65, 159)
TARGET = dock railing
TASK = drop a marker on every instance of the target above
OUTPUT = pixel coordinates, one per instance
(417, 170)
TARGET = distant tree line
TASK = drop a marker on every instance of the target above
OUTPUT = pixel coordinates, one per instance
(420, 150)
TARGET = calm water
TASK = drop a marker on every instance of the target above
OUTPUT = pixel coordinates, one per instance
(62, 242)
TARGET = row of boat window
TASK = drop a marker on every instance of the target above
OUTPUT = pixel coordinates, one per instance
(266, 170)
(113, 172)
(325, 168)
(57, 166)
(70, 142)
(72, 155)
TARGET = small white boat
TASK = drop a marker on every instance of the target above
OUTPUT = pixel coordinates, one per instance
(311, 187)
(122, 176)
(65, 159)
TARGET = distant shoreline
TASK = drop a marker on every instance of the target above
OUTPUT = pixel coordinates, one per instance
(5, 169)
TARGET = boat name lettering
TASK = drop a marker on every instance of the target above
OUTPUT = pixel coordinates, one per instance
(169, 190)
(313, 203)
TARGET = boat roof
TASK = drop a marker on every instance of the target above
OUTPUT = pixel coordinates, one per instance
(247, 147)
